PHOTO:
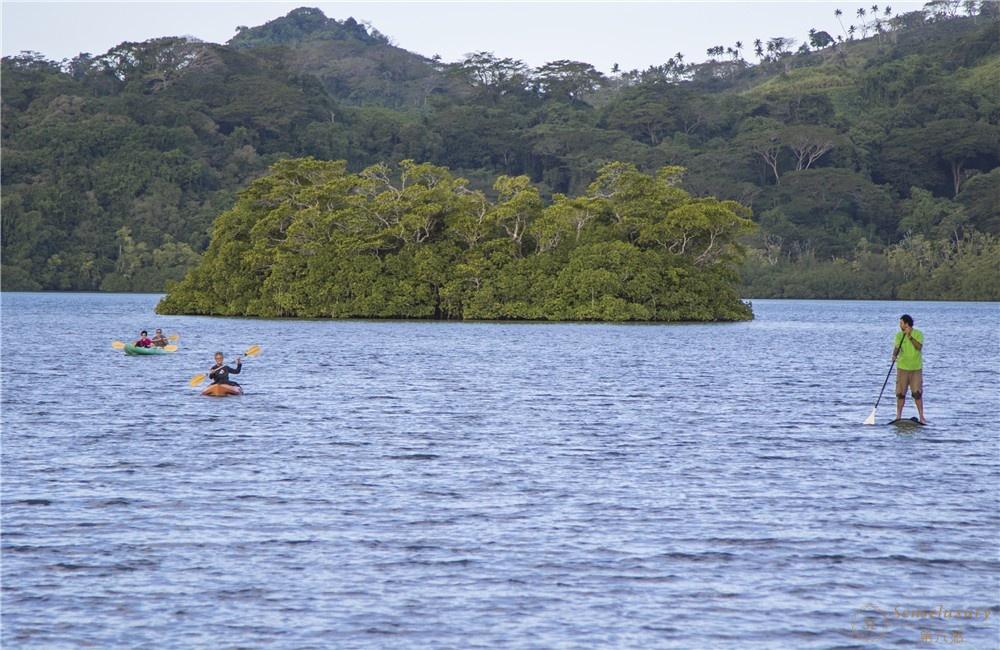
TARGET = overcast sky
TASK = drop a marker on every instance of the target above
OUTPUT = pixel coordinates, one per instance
(632, 34)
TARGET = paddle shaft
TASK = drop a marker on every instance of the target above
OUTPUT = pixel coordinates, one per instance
(886, 382)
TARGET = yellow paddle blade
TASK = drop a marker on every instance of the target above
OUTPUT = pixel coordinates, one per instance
(118, 345)
(196, 380)
(253, 351)
(170, 348)
(174, 337)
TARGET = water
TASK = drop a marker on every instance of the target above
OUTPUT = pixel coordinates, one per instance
(402, 485)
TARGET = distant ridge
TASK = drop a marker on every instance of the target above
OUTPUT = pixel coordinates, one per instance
(356, 63)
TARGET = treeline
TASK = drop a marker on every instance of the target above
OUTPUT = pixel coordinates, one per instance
(917, 268)
(312, 239)
(939, 258)
(115, 165)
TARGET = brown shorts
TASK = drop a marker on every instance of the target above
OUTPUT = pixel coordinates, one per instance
(912, 378)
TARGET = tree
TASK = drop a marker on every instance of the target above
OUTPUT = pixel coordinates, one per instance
(518, 205)
(931, 217)
(820, 39)
(568, 79)
(939, 155)
(762, 137)
(809, 143)
(979, 198)
(837, 14)
(491, 76)
(642, 112)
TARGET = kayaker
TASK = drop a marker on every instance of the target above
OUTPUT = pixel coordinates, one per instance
(219, 373)
(907, 351)
(144, 340)
(159, 340)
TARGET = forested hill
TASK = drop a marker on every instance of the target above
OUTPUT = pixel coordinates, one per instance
(355, 62)
(869, 156)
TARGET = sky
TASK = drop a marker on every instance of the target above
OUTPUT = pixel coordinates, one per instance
(634, 35)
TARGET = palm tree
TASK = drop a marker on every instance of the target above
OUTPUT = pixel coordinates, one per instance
(838, 13)
(850, 33)
(758, 49)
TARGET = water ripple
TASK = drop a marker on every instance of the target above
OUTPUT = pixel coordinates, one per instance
(484, 485)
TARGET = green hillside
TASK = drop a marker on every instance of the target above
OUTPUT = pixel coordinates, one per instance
(355, 63)
(869, 158)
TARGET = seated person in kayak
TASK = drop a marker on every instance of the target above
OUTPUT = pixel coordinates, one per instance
(159, 340)
(219, 374)
(144, 340)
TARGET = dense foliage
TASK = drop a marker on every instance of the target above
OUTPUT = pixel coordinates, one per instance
(854, 150)
(312, 239)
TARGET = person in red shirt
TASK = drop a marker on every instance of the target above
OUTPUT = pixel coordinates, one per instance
(144, 340)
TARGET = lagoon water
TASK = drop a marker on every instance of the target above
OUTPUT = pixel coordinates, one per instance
(483, 485)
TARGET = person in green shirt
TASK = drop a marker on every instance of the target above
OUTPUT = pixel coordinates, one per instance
(907, 353)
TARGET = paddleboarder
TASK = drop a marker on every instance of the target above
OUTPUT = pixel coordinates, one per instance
(907, 352)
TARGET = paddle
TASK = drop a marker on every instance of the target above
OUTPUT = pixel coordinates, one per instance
(118, 345)
(871, 418)
(252, 351)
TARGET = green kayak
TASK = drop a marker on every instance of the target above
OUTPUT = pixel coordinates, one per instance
(133, 350)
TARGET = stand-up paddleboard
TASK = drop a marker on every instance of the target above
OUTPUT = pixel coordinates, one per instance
(908, 422)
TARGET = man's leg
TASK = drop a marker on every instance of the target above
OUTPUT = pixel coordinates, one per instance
(902, 380)
(917, 390)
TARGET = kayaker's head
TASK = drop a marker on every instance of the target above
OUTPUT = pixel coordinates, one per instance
(219, 358)
(159, 332)
(906, 322)
(143, 334)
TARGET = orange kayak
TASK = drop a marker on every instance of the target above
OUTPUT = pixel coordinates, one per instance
(222, 390)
